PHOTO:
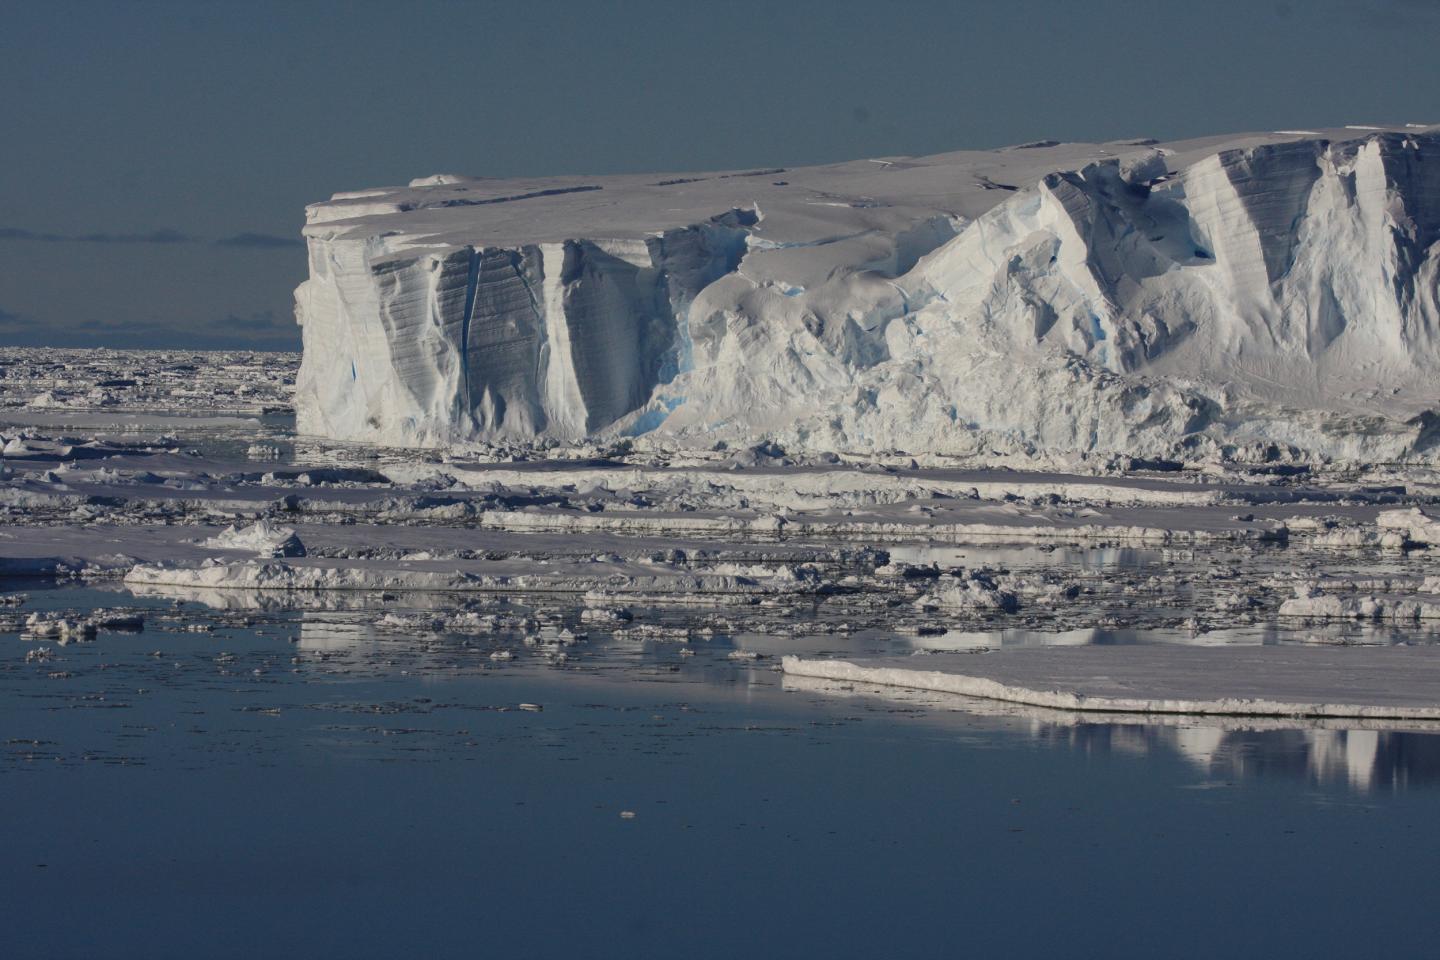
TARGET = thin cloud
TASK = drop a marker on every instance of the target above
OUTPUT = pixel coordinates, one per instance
(154, 236)
(264, 330)
(161, 237)
(262, 321)
(132, 328)
(260, 241)
(11, 321)
(16, 233)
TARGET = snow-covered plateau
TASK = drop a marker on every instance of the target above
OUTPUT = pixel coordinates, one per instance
(1252, 298)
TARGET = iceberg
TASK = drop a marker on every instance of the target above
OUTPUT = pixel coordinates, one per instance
(1251, 297)
(264, 538)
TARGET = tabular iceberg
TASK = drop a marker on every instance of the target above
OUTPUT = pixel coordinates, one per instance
(1251, 296)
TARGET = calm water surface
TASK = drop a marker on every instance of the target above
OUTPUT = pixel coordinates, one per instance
(304, 785)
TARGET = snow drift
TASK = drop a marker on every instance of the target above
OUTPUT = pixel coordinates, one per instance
(1252, 297)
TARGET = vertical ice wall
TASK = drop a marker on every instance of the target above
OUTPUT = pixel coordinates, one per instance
(412, 345)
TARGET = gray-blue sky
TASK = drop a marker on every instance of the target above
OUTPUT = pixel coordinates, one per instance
(158, 155)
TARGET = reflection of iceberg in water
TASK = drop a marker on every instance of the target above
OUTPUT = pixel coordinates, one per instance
(1352, 754)
(1366, 756)
(331, 635)
(1364, 759)
(977, 640)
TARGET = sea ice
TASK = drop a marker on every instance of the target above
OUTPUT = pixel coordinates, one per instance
(264, 538)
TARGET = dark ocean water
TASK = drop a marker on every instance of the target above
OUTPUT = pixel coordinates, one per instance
(300, 785)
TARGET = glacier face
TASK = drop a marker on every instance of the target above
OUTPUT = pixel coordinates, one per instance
(1251, 296)
(444, 344)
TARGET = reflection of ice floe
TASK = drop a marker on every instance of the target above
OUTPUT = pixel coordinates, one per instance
(604, 584)
(286, 577)
(961, 641)
(1366, 755)
(273, 601)
(281, 601)
(330, 635)
(1092, 558)
(977, 640)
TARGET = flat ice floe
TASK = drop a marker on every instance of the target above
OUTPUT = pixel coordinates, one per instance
(1394, 683)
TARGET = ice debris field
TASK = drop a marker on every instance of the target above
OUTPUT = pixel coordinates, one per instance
(921, 422)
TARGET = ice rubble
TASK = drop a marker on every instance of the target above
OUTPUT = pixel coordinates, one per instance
(264, 538)
(124, 386)
(1249, 296)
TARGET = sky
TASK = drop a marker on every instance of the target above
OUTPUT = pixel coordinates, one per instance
(156, 157)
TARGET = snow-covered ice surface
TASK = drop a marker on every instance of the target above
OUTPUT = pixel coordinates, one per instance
(61, 387)
(1253, 297)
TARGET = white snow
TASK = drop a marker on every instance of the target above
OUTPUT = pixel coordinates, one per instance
(1412, 523)
(1317, 601)
(264, 538)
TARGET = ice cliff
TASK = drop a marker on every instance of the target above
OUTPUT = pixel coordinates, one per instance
(1257, 296)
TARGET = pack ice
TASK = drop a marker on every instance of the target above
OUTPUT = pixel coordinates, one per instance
(1250, 297)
